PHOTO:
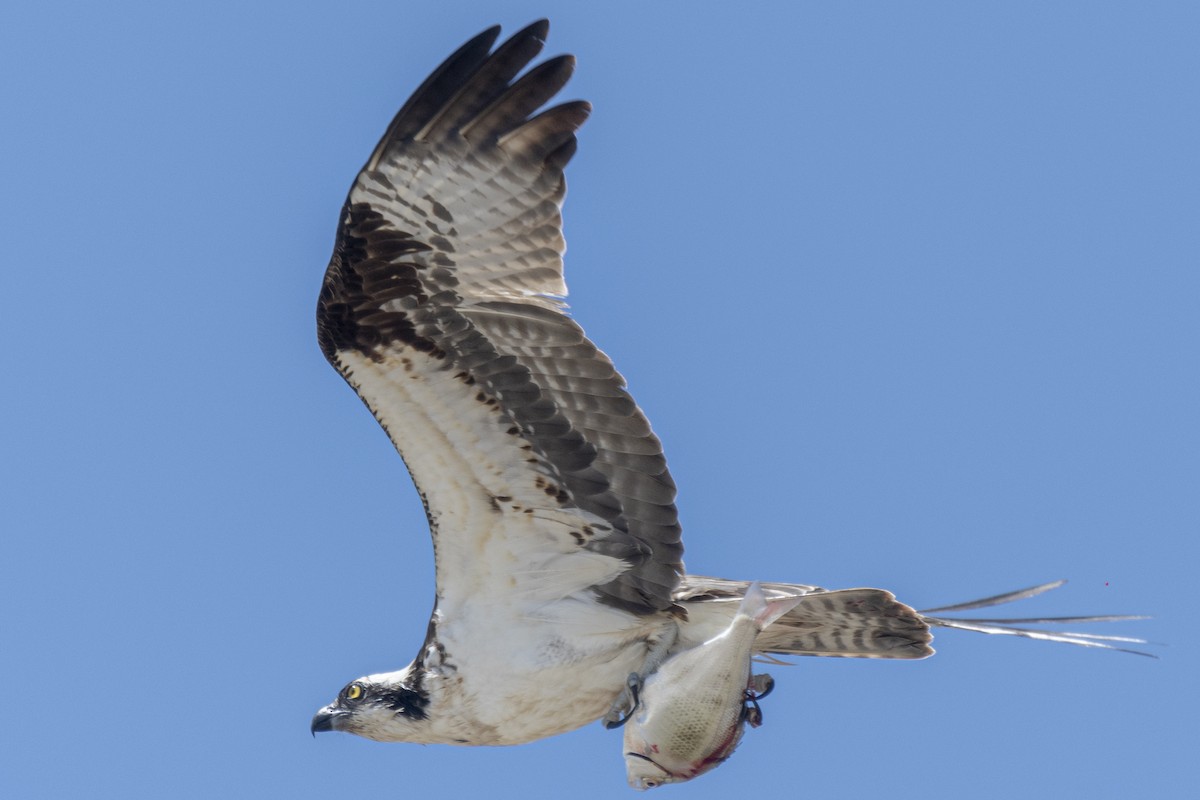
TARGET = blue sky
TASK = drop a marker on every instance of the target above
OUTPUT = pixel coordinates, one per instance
(911, 292)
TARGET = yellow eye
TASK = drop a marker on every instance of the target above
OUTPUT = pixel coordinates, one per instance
(354, 691)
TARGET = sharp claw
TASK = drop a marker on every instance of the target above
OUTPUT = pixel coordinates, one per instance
(630, 698)
(762, 685)
(751, 712)
(634, 684)
(613, 724)
(759, 687)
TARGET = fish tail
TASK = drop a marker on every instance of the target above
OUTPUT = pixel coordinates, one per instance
(764, 611)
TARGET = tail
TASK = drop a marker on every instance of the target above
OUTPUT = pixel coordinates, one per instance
(849, 623)
(1011, 626)
(870, 623)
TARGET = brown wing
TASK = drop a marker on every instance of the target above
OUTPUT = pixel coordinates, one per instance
(442, 307)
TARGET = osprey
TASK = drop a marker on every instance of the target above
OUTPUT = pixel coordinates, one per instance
(560, 580)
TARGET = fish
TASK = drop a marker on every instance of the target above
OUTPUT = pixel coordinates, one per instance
(693, 710)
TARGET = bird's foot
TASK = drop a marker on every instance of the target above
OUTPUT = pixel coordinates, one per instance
(759, 687)
(630, 697)
(626, 703)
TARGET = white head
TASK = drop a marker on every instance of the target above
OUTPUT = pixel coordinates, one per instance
(387, 707)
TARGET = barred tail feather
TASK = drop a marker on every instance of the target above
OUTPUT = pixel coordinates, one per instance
(848, 623)
(872, 623)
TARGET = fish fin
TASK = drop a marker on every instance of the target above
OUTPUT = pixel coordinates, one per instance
(763, 611)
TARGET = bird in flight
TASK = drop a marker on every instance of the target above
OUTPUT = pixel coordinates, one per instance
(560, 579)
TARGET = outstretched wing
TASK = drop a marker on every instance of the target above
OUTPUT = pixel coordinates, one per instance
(442, 307)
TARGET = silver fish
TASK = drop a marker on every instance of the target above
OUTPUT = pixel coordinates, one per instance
(693, 710)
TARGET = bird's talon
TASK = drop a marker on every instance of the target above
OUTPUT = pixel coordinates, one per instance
(626, 703)
(761, 685)
(751, 712)
(633, 684)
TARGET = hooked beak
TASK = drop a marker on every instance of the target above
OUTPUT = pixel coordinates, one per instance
(325, 720)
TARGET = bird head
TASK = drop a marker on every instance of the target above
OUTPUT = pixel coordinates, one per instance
(388, 707)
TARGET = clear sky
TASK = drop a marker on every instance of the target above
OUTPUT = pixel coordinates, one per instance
(911, 292)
